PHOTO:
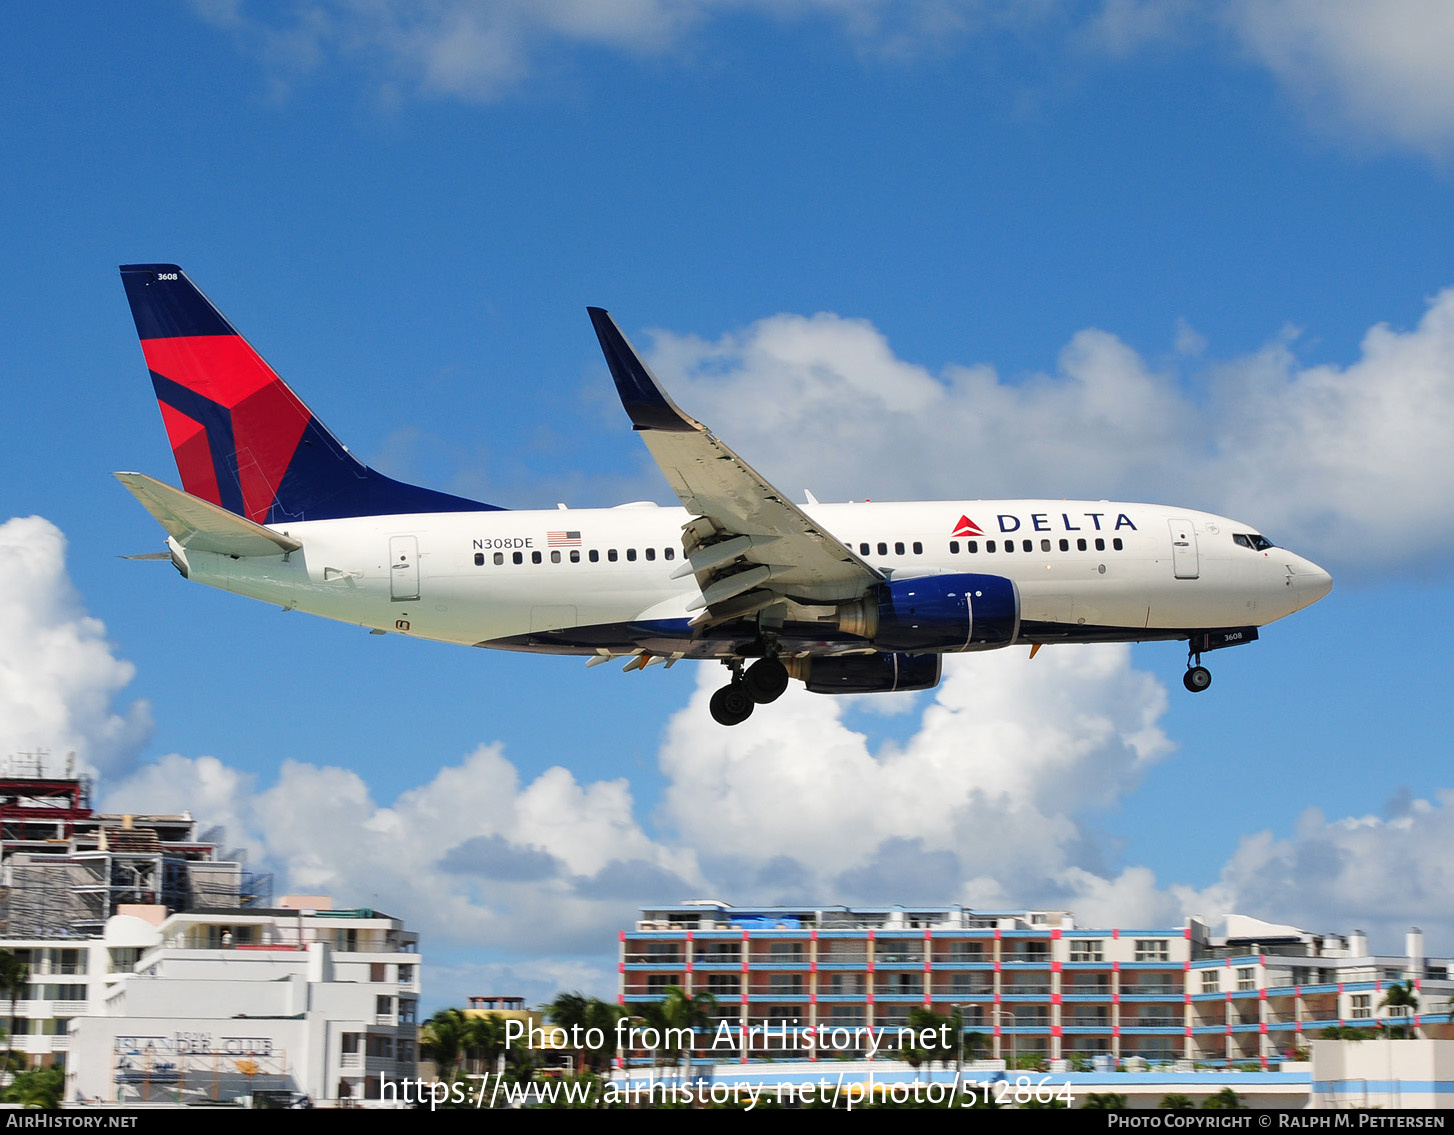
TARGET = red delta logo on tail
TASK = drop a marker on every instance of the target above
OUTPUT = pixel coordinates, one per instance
(966, 527)
(243, 440)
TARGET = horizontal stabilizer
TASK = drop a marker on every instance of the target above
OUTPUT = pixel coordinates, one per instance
(199, 525)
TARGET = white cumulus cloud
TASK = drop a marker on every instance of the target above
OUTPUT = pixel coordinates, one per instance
(1306, 453)
(58, 675)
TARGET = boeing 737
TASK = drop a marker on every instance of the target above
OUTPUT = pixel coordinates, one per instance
(846, 598)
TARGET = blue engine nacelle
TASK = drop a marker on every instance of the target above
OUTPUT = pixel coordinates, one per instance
(868, 673)
(937, 613)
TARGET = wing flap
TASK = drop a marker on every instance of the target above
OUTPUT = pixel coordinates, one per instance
(201, 525)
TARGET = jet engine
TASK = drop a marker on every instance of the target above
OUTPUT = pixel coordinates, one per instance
(936, 613)
(867, 673)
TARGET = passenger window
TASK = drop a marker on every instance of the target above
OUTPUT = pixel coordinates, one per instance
(1028, 545)
(972, 547)
(899, 548)
(918, 548)
(631, 554)
(1100, 544)
(611, 554)
(479, 559)
(555, 557)
(883, 549)
(1045, 545)
(989, 546)
(1116, 543)
(499, 558)
(1080, 544)
(594, 555)
(651, 553)
(534, 557)
(863, 549)
(954, 547)
(518, 557)
(670, 553)
(575, 555)
(1065, 545)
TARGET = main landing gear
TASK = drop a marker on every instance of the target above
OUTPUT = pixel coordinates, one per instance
(1198, 677)
(762, 682)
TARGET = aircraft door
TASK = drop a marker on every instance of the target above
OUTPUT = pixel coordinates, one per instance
(403, 568)
(1184, 562)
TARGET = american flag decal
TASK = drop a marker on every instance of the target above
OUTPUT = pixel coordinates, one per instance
(562, 539)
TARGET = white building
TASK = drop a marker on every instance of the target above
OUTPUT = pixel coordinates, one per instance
(207, 1005)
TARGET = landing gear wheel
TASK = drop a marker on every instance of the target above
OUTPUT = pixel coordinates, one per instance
(731, 705)
(765, 680)
(1197, 679)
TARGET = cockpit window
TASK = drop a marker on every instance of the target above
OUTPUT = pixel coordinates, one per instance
(1252, 540)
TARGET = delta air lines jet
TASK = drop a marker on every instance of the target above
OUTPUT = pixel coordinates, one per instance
(846, 598)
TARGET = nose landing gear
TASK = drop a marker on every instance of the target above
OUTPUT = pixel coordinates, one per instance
(1197, 677)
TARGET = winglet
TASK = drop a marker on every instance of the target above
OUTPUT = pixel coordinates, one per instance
(646, 403)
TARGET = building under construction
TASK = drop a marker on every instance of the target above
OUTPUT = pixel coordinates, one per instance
(65, 869)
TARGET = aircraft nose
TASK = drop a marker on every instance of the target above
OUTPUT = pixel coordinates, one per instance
(1309, 581)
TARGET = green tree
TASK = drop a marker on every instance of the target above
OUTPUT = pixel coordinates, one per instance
(1225, 1100)
(443, 1040)
(680, 1010)
(1105, 1101)
(1402, 998)
(577, 1011)
(1175, 1101)
(13, 978)
(39, 1087)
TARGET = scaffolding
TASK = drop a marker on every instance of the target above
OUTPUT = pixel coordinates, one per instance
(64, 869)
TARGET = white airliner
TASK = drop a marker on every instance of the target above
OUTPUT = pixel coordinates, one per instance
(847, 598)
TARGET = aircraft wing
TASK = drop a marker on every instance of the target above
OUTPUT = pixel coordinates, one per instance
(748, 544)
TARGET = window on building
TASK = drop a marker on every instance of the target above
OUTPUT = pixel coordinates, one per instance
(1362, 1006)
(1152, 950)
(1246, 978)
(1086, 950)
(1212, 981)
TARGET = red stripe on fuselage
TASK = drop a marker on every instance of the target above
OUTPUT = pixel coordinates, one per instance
(267, 418)
(193, 454)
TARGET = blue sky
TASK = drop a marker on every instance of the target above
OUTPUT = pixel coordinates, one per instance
(1194, 253)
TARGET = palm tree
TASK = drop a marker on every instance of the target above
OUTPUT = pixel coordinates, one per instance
(13, 977)
(444, 1040)
(680, 1010)
(1400, 996)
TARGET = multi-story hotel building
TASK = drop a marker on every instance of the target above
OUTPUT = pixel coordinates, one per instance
(1033, 983)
